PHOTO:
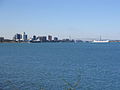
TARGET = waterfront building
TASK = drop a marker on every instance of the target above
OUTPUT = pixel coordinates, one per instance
(17, 37)
(1, 39)
(55, 39)
(67, 40)
(8, 40)
(49, 38)
(24, 37)
(34, 38)
(42, 38)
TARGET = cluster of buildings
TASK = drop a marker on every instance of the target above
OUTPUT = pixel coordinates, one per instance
(21, 37)
(44, 39)
(34, 39)
(24, 38)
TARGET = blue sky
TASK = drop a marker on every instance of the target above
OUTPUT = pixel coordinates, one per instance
(63, 18)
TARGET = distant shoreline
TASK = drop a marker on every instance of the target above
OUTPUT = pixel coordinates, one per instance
(54, 42)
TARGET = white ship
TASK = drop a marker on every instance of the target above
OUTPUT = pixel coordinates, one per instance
(100, 41)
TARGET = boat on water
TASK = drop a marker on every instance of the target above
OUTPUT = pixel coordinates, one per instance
(100, 41)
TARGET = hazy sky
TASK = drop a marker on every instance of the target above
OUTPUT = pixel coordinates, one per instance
(63, 18)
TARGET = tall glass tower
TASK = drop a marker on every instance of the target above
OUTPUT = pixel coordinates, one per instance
(24, 37)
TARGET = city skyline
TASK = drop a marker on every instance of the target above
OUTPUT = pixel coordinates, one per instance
(23, 36)
(62, 18)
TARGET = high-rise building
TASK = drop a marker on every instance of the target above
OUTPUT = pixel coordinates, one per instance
(20, 37)
(24, 37)
(49, 38)
(17, 37)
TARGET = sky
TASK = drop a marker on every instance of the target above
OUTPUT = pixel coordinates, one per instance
(78, 19)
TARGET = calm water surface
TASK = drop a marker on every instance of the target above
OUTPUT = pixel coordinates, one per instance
(52, 66)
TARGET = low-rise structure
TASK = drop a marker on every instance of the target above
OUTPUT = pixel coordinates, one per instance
(55, 38)
(42, 38)
(1, 39)
(49, 38)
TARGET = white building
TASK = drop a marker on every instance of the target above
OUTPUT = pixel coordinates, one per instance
(24, 37)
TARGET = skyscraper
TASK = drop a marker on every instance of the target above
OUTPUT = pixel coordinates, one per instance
(24, 37)
(17, 37)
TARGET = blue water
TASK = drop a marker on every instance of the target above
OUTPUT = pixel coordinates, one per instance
(58, 66)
